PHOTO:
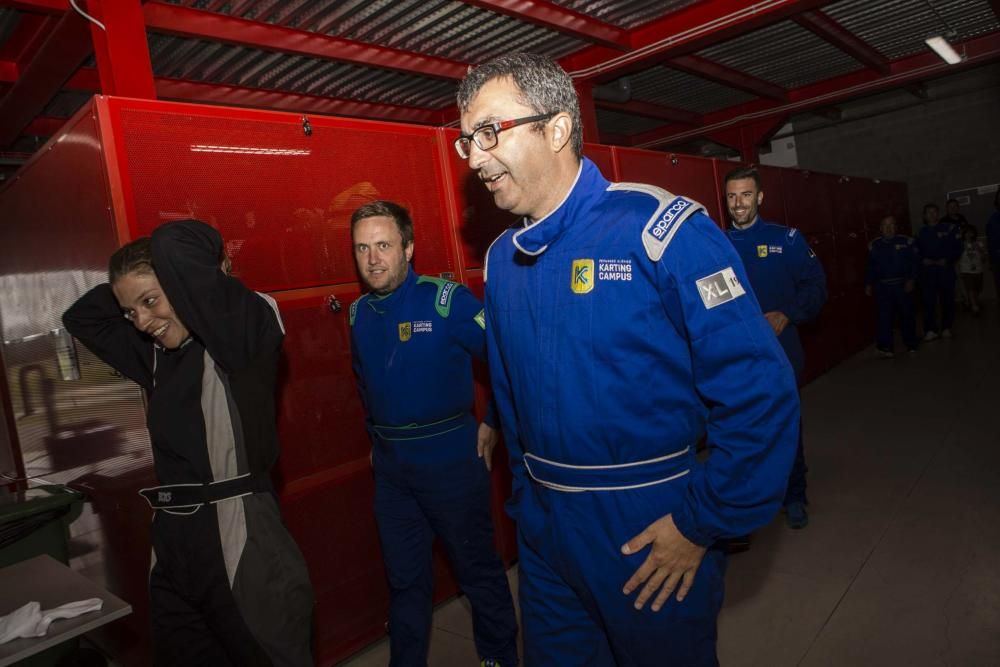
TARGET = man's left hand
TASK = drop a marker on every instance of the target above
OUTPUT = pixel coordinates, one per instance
(672, 560)
(778, 321)
(486, 440)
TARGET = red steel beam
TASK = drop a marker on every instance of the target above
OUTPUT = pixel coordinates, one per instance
(689, 29)
(980, 51)
(44, 126)
(713, 71)
(657, 111)
(8, 71)
(121, 50)
(87, 79)
(185, 22)
(59, 56)
(28, 36)
(560, 19)
(193, 91)
(41, 6)
(826, 28)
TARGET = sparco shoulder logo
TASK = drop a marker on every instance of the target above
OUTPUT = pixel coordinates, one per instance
(670, 215)
(582, 276)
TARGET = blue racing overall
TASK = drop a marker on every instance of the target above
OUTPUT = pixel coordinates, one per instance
(892, 263)
(412, 352)
(620, 331)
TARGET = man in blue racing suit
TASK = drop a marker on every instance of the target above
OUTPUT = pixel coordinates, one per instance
(890, 275)
(620, 331)
(412, 341)
(788, 280)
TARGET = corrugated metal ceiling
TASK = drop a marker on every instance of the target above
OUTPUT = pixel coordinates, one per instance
(784, 53)
(624, 14)
(898, 28)
(672, 88)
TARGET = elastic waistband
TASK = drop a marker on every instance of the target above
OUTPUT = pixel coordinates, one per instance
(421, 431)
(619, 477)
(189, 498)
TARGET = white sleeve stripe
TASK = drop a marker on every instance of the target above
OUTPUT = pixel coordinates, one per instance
(274, 306)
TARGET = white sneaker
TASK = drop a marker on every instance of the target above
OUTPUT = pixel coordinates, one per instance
(884, 354)
(929, 336)
(946, 333)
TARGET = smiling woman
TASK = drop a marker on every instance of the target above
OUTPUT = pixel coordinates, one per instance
(228, 585)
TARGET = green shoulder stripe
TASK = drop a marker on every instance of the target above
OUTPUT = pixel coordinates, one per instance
(445, 290)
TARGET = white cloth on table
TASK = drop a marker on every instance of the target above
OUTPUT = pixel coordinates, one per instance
(33, 621)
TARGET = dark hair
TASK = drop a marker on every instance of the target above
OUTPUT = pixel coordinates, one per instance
(133, 257)
(544, 87)
(388, 209)
(745, 172)
(930, 206)
(952, 201)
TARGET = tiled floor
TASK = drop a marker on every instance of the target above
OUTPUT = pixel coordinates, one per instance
(900, 564)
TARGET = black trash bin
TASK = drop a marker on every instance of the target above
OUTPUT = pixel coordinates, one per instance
(36, 522)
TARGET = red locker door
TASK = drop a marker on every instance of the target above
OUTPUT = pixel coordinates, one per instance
(603, 157)
(479, 220)
(807, 200)
(281, 199)
(685, 175)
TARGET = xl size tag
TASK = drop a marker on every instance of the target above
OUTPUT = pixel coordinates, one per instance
(719, 288)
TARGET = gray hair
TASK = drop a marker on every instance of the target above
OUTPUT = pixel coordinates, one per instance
(544, 87)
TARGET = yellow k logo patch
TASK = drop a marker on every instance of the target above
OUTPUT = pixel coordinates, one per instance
(582, 278)
(762, 250)
(405, 331)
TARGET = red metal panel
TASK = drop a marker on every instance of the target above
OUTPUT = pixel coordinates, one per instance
(282, 199)
(807, 200)
(685, 175)
(602, 156)
(320, 418)
(852, 254)
(773, 186)
(847, 201)
(480, 221)
(88, 433)
(825, 246)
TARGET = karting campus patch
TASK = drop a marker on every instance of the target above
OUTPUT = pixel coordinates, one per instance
(719, 288)
(582, 276)
(405, 331)
(762, 250)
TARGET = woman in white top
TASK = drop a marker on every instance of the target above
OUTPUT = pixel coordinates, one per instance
(971, 265)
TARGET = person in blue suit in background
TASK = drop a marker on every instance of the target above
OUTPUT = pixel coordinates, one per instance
(940, 244)
(619, 332)
(893, 263)
(412, 341)
(789, 282)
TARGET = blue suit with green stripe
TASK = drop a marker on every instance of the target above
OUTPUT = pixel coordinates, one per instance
(412, 354)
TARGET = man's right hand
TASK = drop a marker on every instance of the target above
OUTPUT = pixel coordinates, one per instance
(868, 290)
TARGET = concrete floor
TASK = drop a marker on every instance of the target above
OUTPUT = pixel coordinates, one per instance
(900, 564)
